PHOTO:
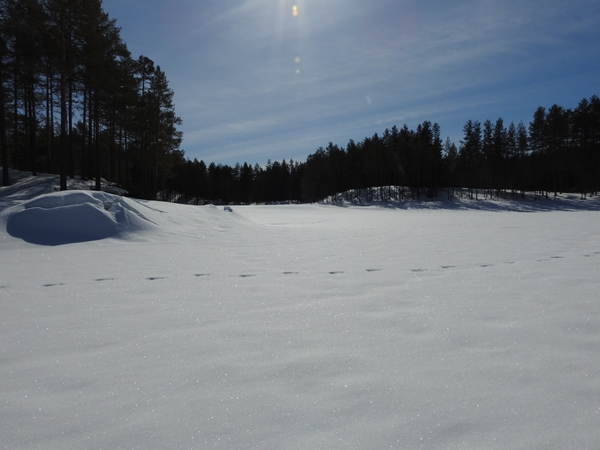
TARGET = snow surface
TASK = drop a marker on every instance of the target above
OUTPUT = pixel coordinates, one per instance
(130, 324)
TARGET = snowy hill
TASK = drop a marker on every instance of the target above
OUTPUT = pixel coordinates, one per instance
(135, 324)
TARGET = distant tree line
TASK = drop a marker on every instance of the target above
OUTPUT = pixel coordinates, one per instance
(276, 182)
(559, 151)
(399, 157)
(73, 101)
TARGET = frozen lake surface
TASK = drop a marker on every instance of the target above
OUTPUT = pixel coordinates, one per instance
(133, 324)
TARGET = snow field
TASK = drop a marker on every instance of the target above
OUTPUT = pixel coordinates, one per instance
(302, 326)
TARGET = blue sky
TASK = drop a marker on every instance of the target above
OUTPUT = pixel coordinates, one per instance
(259, 79)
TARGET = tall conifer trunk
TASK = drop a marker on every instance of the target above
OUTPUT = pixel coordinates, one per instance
(3, 143)
(63, 123)
(97, 144)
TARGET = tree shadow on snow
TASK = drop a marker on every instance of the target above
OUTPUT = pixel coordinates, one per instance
(564, 202)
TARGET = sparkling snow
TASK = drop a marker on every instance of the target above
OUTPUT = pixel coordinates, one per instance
(133, 324)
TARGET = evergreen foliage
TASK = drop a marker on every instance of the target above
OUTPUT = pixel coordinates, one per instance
(559, 152)
(74, 102)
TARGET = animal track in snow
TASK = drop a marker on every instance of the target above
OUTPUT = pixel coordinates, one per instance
(371, 270)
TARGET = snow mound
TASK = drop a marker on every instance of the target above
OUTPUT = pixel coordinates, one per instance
(74, 216)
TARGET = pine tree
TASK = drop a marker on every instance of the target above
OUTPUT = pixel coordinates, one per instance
(537, 143)
(164, 137)
(487, 150)
(470, 154)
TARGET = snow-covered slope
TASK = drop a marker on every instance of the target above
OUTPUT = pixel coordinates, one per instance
(295, 327)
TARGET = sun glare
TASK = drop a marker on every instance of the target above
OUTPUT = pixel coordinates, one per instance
(291, 29)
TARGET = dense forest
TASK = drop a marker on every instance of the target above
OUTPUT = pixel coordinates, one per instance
(559, 151)
(75, 102)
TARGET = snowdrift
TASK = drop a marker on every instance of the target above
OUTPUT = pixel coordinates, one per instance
(74, 216)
